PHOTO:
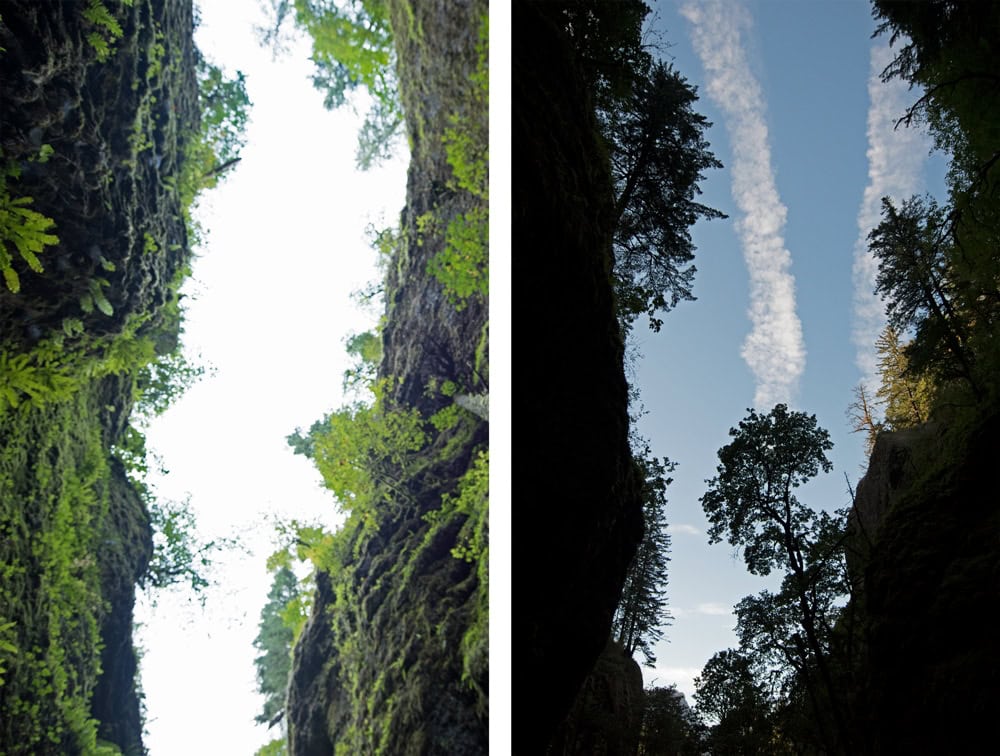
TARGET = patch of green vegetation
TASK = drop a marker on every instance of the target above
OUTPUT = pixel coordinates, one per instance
(363, 450)
(352, 48)
(107, 30)
(462, 266)
(22, 227)
(276, 747)
(51, 513)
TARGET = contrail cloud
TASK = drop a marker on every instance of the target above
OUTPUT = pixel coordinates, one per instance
(774, 349)
(895, 167)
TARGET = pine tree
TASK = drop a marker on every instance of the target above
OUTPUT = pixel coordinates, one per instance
(658, 155)
(642, 610)
(906, 398)
(275, 642)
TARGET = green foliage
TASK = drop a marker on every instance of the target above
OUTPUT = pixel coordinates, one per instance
(906, 398)
(274, 642)
(366, 349)
(224, 111)
(642, 609)
(162, 382)
(472, 501)
(59, 366)
(179, 555)
(361, 447)
(276, 747)
(22, 227)
(352, 48)
(107, 30)
(466, 141)
(462, 266)
(51, 512)
(95, 296)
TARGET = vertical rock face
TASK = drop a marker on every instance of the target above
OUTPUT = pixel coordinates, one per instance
(931, 588)
(394, 657)
(606, 718)
(577, 515)
(98, 146)
(891, 470)
(116, 130)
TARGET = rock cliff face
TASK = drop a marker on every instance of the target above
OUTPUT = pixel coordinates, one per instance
(929, 588)
(97, 145)
(606, 718)
(577, 515)
(116, 132)
(394, 658)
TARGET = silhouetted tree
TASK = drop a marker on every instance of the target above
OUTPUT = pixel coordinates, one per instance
(658, 155)
(730, 693)
(642, 611)
(751, 502)
(669, 727)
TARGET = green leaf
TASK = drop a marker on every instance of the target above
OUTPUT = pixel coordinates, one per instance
(13, 282)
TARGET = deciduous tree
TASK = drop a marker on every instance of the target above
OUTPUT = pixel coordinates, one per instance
(752, 503)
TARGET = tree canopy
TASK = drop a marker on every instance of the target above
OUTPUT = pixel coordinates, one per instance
(751, 502)
(353, 49)
(938, 265)
(658, 156)
(274, 641)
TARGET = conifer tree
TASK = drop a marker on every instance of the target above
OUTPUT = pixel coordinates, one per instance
(642, 611)
(906, 398)
(658, 155)
(274, 641)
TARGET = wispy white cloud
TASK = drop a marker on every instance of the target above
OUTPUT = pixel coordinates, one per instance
(774, 349)
(708, 608)
(714, 609)
(895, 166)
(683, 529)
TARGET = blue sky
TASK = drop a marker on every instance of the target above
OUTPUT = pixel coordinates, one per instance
(800, 125)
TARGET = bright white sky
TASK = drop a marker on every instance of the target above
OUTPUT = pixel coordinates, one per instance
(269, 307)
(784, 310)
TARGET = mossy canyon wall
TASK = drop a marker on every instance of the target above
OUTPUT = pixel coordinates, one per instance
(394, 658)
(96, 112)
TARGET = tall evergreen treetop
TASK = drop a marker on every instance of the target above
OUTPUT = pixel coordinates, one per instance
(642, 611)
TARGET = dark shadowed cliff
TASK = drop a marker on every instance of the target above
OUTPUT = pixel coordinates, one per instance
(577, 516)
(930, 588)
